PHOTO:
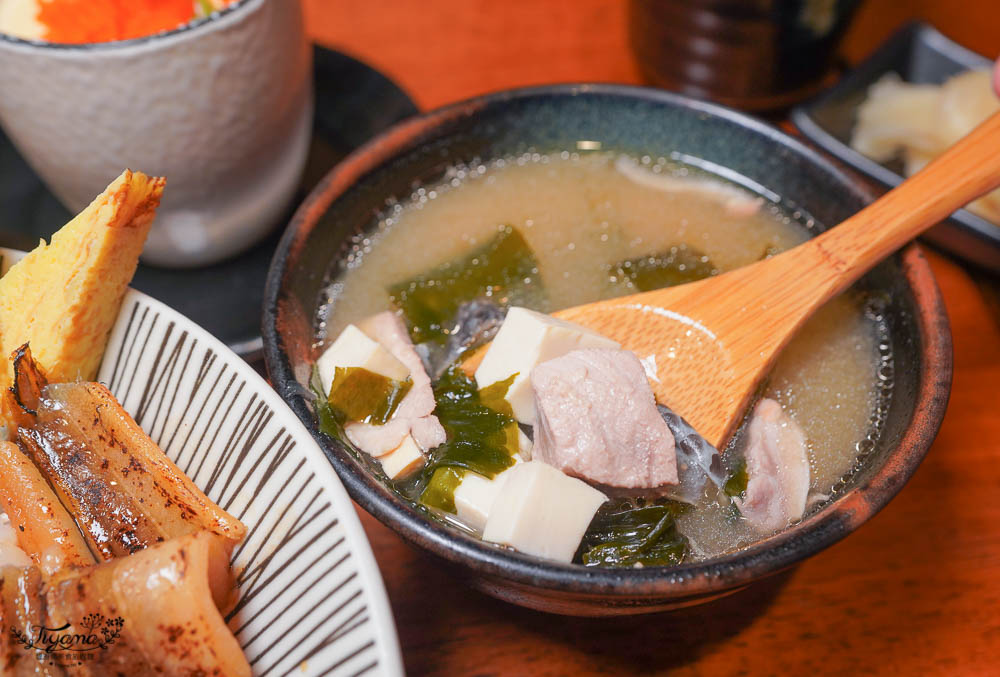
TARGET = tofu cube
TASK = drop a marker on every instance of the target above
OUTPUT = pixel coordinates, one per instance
(542, 512)
(475, 495)
(526, 339)
(354, 348)
(402, 461)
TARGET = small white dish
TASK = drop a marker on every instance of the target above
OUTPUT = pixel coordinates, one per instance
(311, 599)
(222, 107)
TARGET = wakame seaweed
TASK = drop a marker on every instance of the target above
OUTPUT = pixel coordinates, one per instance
(624, 535)
(357, 394)
(736, 484)
(678, 265)
(327, 420)
(439, 491)
(501, 270)
(482, 436)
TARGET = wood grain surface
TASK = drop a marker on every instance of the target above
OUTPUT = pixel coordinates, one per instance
(916, 591)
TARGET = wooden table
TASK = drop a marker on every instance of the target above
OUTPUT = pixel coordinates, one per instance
(915, 591)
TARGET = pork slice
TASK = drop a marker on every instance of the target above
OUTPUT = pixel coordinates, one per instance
(428, 432)
(378, 440)
(597, 420)
(388, 329)
(777, 469)
(415, 411)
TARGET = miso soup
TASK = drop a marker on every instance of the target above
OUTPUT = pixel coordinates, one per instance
(600, 225)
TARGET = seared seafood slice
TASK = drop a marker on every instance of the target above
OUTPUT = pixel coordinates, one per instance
(19, 402)
(157, 611)
(123, 491)
(168, 598)
(22, 610)
(44, 529)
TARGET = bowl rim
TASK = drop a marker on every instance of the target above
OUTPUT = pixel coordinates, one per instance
(142, 40)
(686, 581)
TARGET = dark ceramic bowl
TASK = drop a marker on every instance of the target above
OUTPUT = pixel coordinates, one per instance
(641, 121)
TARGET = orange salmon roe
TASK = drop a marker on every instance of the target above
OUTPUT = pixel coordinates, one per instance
(85, 21)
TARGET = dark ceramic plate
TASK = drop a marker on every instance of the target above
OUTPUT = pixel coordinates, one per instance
(919, 54)
(632, 119)
(353, 103)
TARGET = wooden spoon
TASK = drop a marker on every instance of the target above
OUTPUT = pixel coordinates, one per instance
(714, 340)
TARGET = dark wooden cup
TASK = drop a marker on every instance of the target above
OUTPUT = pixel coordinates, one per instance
(756, 55)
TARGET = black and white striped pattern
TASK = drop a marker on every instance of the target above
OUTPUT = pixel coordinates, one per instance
(311, 601)
(303, 601)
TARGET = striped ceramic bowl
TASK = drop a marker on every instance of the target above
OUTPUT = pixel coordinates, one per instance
(311, 600)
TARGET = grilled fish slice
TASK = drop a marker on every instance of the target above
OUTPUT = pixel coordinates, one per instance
(123, 491)
(155, 612)
(168, 598)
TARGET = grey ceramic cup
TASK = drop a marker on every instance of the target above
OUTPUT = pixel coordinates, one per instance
(221, 107)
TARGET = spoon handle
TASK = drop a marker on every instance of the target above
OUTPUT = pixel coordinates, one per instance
(964, 172)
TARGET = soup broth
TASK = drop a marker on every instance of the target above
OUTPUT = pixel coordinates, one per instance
(582, 215)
